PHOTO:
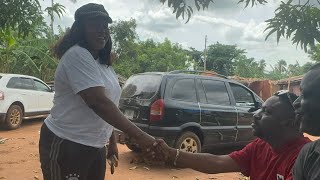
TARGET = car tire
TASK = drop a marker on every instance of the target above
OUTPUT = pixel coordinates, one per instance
(133, 147)
(13, 117)
(188, 142)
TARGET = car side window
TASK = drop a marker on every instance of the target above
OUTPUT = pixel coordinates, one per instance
(216, 92)
(242, 96)
(27, 83)
(15, 83)
(40, 86)
(184, 90)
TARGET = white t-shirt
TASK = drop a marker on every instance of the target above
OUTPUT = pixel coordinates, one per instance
(70, 117)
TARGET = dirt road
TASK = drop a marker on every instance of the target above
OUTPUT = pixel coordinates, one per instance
(19, 160)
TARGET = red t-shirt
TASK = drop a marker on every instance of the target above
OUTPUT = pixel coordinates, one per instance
(260, 162)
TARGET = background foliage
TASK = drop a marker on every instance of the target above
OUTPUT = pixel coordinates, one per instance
(25, 42)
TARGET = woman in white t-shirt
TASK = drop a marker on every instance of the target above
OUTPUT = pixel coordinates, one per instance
(87, 92)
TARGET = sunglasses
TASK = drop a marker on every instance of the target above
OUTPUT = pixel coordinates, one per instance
(285, 94)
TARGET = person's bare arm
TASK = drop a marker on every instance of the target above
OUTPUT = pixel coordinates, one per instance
(203, 162)
(96, 99)
(207, 163)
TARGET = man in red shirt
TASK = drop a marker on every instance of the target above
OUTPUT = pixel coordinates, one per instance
(269, 157)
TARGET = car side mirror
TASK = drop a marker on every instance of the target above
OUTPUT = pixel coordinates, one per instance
(257, 105)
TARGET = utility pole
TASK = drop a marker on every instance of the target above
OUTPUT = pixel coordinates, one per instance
(205, 53)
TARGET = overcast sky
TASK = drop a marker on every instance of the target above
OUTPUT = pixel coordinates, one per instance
(225, 21)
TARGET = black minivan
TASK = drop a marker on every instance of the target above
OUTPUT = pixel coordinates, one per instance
(190, 111)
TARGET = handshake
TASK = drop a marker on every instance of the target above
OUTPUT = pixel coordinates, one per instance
(161, 153)
(155, 151)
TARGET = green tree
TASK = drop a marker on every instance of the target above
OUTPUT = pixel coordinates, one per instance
(249, 68)
(57, 9)
(125, 45)
(314, 53)
(23, 16)
(306, 67)
(283, 70)
(262, 65)
(220, 58)
(164, 56)
(124, 37)
(279, 70)
(135, 56)
(296, 21)
(281, 66)
(183, 7)
(295, 69)
(195, 57)
(25, 39)
(27, 55)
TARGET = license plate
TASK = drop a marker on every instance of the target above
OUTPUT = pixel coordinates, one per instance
(129, 114)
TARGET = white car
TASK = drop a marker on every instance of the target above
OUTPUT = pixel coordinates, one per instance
(23, 97)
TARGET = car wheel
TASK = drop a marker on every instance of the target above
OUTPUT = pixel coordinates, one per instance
(133, 147)
(13, 117)
(188, 142)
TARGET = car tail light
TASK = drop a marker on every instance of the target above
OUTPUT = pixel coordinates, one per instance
(157, 110)
(1, 95)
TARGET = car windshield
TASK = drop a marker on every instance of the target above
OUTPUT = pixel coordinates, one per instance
(141, 86)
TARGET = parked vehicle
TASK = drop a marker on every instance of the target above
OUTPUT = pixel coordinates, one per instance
(23, 97)
(191, 112)
(51, 85)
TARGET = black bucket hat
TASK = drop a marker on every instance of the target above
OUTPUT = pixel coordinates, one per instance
(92, 10)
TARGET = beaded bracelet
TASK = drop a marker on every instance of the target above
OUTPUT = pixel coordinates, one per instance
(176, 158)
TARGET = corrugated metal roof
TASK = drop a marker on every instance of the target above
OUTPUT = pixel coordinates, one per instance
(291, 80)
